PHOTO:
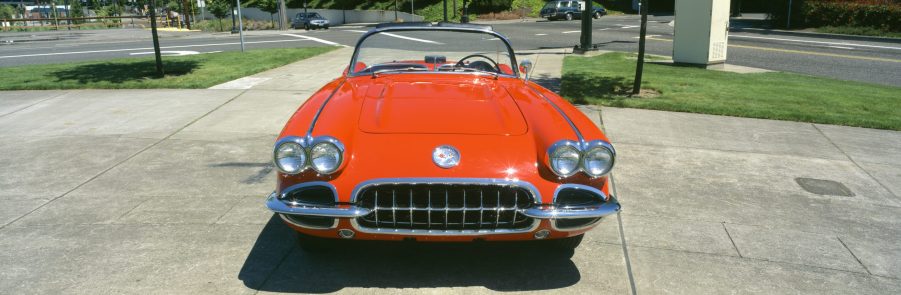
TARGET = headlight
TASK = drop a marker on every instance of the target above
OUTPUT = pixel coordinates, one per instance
(325, 157)
(290, 157)
(564, 158)
(597, 161)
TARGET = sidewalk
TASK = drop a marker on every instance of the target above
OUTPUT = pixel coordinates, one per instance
(161, 191)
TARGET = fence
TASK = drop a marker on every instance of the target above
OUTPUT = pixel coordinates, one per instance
(335, 16)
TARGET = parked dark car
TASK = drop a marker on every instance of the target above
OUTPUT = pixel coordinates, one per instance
(309, 20)
(569, 10)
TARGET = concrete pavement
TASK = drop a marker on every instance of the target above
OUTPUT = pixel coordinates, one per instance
(161, 191)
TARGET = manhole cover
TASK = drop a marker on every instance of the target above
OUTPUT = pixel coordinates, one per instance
(824, 187)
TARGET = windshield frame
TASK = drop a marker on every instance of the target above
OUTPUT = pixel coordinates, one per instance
(502, 38)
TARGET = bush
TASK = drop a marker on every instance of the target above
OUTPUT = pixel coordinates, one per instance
(878, 14)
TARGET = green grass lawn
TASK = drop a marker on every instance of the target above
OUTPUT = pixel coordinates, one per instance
(191, 71)
(607, 79)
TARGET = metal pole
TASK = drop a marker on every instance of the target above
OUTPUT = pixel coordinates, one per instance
(586, 25)
(395, 10)
(445, 10)
(643, 7)
(156, 39)
(788, 22)
(240, 26)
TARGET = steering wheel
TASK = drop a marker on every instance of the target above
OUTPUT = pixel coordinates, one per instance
(480, 64)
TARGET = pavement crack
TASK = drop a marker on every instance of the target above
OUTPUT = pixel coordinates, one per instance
(731, 240)
(117, 164)
(34, 104)
(855, 162)
(853, 255)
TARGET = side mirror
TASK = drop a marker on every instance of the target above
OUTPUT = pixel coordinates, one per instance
(526, 68)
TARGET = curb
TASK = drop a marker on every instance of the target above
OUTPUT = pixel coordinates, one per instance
(820, 35)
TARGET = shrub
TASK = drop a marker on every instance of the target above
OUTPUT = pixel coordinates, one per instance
(879, 14)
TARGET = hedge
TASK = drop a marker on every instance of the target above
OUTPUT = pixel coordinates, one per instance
(880, 14)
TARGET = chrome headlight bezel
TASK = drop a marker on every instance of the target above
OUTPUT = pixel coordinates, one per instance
(583, 149)
(598, 145)
(307, 144)
(561, 146)
(326, 141)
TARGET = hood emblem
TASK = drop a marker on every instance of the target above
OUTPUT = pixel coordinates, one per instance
(446, 156)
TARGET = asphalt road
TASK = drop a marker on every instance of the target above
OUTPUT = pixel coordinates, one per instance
(846, 59)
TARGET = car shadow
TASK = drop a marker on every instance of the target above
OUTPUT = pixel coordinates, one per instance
(276, 264)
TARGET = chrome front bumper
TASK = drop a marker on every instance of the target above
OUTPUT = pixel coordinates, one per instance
(609, 207)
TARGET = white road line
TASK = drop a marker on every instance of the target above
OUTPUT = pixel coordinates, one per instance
(816, 42)
(355, 31)
(146, 48)
(411, 38)
(570, 32)
(540, 34)
(628, 27)
(840, 47)
(647, 36)
(604, 29)
(327, 42)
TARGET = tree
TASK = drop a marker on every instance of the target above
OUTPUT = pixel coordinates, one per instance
(219, 9)
(7, 11)
(270, 6)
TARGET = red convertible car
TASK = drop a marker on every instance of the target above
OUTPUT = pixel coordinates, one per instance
(433, 134)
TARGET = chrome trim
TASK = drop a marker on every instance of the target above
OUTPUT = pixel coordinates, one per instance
(609, 207)
(536, 199)
(582, 147)
(536, 196)
(288, 220)
(302, 141)
(356, 226)
(307, 143)
(326, 139)
(278, 206)
(322, 107)
(558, 145)
(592, 189)
(301, 185)
(588, 146)
(559, 110)
(401, 28)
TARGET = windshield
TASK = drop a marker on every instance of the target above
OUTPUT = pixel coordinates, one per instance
(429, 51)
(552, 4)
(309, 15)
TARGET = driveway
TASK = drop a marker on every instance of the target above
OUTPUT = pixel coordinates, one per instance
(161, 191)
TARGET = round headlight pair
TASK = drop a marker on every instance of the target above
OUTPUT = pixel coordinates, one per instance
(294, 154)
(567, 158)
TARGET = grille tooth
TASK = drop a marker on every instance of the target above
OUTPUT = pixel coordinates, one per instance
(445, 207)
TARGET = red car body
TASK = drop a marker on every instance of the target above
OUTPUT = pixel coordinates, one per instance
(389, 126)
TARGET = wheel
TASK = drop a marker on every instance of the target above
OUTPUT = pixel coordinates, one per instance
(597, 15)
(314, 244)
(550, 19)
(306, 27)
(326, 27)
(569, 16)
(569, 243)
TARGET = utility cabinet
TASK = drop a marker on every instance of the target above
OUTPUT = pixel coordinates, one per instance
(701, 31)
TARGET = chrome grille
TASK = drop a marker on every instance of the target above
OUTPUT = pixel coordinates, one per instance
(445, 207)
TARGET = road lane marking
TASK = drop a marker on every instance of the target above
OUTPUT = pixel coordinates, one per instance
(840, 47)
(803, 52)
(355, 31)
(570, 32)
(628, 27)
(540, 34)
(816, 42)
(327, 42)
(168, 52)
(648, 36)
(412, 39)
(146, 48)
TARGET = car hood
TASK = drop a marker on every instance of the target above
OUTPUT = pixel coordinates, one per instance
(407, 106)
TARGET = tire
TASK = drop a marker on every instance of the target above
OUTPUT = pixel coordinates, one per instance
(570, 243)
(306, 27)
(597, 15)
(569, 16)
(326, 27)
(312, 244)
